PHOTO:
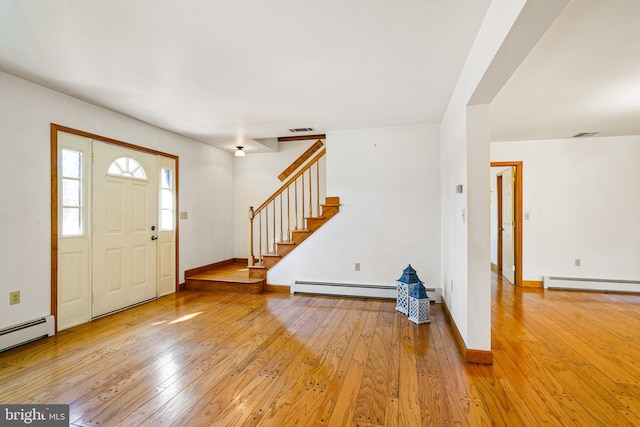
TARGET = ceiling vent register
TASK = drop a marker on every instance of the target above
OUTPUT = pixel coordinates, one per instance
(585, 134)
(295, 130)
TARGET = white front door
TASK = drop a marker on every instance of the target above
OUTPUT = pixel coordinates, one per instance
(508, 225)
(125, 216)
(106, 256)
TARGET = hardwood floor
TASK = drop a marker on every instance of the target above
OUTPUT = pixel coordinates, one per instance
(199, 359)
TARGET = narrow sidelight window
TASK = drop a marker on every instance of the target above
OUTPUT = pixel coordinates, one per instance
(72, 183)
(167, 214)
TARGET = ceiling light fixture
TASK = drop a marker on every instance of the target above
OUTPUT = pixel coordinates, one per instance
(240, 151)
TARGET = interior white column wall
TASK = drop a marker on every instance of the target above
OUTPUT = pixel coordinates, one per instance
(26, 112)
(509, 31)
(462, 280)
(477, 218)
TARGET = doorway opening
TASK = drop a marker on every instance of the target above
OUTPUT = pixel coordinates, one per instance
(507, 224)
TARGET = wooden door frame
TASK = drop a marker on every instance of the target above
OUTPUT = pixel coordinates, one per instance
(499, 233)
(518, 216)
(55, 128)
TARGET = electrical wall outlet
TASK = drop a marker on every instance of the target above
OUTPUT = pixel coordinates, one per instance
(357, 266)
(14, 297)
(578, 262)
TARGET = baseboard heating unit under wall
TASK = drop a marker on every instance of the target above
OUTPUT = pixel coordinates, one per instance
(345, 289)
(23, 333)
(355, 290)
(584, 284)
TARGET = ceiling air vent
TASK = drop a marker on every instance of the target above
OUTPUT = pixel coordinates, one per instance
(294, 130)
(583, 134)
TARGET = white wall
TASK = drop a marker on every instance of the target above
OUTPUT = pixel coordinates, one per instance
(583, 200)
(388, 181)
(206, 194)
(26, 111)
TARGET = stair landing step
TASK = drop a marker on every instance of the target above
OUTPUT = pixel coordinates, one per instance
(229, 278)
(254, 287)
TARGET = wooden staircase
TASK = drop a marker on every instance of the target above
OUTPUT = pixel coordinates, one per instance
(329, 209)
(286, 219)
(290, 215)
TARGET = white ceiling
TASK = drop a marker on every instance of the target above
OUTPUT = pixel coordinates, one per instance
(582, 76)
(226, 73)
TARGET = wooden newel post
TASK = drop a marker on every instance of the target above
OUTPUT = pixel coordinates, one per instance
(251, 216)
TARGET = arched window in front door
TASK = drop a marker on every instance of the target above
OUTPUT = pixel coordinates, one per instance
(127, 167)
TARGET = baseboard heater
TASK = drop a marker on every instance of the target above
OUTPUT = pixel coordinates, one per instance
(585, 284)
(23, 333)
(356, 290)
(345, 289)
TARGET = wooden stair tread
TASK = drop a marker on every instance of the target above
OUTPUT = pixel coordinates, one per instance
(273, 254)
(332, 200)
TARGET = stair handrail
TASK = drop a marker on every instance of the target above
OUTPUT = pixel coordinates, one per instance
(291, 181)
(293, 177)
